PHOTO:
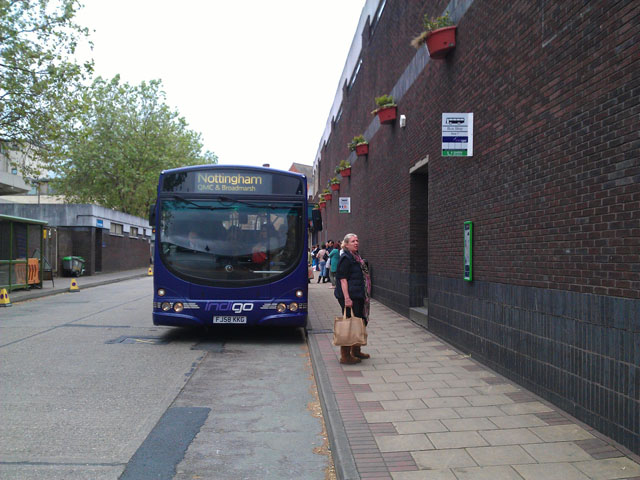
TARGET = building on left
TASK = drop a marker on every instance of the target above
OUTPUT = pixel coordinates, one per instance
(38, 230)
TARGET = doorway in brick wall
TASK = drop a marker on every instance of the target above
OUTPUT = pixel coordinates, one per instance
(419, 248)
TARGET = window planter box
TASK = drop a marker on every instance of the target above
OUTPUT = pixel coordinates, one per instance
(362, 149)
(387, 115)
(441, 41)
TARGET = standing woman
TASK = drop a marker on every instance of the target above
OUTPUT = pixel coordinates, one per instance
(353, 290)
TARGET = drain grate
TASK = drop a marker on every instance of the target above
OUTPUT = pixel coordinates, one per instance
(138, 340)
(314, 331)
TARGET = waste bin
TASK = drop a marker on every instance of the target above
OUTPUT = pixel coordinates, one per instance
(73, 266)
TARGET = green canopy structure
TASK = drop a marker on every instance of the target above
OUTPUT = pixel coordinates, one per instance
(21, 247)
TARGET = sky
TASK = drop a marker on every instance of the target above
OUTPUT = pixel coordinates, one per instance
(256, 78)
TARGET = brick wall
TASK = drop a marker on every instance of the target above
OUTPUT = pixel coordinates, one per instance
(65, 246)
(119, 252)
(553, 189)
(124, 253)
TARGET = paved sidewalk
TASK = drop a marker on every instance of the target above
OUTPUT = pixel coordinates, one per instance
(420, 409)
(62, 284)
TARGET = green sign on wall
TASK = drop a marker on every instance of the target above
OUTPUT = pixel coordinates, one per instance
(468, 254)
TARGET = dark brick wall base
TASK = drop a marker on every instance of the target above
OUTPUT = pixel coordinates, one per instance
(399, 290)
(579, 351)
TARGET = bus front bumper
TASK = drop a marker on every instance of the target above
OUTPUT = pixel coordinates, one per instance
(278, 320)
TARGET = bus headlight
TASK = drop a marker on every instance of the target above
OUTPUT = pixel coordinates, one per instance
(162, 292)
(281, 307)
(299, 293)
(178, 307)
(293, 307)
(166, 306)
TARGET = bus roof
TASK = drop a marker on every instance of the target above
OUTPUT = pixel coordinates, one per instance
(232, 167)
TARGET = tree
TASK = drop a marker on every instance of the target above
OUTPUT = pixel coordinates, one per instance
(124, 137)
(38, 81)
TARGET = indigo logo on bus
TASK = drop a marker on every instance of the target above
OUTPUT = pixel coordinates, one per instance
(235, 307)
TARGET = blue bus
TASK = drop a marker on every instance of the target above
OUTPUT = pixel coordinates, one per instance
(231, 247)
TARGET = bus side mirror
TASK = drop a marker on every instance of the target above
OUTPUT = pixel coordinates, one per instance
(316, 218)
(152, 214)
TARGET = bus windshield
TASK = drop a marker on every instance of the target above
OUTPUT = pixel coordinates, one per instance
(230, 242)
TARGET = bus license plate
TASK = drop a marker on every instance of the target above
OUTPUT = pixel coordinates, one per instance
(229, 319)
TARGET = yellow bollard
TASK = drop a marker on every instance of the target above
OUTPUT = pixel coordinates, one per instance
(150, 271)
(74, 286)
(4, 298)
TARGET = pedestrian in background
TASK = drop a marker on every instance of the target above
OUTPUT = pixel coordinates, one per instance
(353, 290)
(334, 257)
(309, 265)
(325, 273)
(314, 253)
(321, 260)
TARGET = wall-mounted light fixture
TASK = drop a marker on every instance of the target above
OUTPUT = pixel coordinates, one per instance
(403, 121)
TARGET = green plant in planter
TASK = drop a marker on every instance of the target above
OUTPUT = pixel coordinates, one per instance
(325, 191)
(344, 164)
(357, 140)
(334, 181)
(384, 101)
(430, 24)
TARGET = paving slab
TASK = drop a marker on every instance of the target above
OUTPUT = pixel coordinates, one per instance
(512, 436)
(433, 413)
(561, 433)
(403, 443)
(517, 421)
(609, 468)
(421, 426)
(506, 455)
(424, 475)
(461, 424)
(472, 412)
(456, 439)
(443, 458)
(550, 471)
(487, 473)
(556, 452)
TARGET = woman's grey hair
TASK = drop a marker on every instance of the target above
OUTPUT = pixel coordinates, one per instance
(347, 239)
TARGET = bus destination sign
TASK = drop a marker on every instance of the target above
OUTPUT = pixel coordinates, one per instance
(232, 182)
(218, 181)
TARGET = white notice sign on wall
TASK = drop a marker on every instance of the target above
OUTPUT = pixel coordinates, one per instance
(344, 205)
(457, 134)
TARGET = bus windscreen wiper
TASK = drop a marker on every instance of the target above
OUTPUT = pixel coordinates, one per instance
(249, 203)
(189, 202)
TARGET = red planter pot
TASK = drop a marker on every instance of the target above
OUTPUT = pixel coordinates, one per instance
(335, 186)
(346, 172)
(387, 114)
(362, 149)
(321, 205)
(441, 41)
(328, 196)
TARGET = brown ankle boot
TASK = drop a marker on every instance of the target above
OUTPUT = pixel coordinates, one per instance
(346, 357)
(355, 352)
